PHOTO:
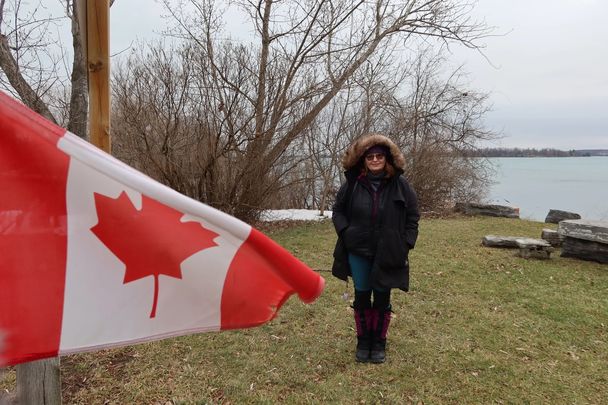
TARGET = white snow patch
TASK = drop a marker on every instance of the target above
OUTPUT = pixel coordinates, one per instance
(294, 215)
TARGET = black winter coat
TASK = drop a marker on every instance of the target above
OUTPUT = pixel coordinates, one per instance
(387, 238)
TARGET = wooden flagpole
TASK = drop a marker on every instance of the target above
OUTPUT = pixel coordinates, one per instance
(39, 382)
(98, 62)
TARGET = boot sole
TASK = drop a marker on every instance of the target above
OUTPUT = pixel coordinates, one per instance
(376, 359)
(362, 360)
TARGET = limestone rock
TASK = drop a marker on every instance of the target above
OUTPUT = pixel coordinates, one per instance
(555, 216)
(553, 237)
(585, 250)
(491, 210)
(594, 231)
(585, 239)
(530, 248)
(532, 242)
(500, 241)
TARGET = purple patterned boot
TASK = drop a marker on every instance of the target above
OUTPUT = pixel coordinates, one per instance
(380, 324)
(363, 318)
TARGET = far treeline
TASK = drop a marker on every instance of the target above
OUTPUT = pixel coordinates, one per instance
(260, 119)
(545, 152)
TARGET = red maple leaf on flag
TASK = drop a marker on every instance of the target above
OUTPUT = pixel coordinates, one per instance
(151, 241)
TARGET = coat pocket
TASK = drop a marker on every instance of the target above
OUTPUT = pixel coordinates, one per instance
(392, 251)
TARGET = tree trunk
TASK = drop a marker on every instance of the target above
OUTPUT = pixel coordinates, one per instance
(79, 101)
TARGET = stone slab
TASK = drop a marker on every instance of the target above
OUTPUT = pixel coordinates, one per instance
(533, 243)
(491, 210)
(530, 248)
(552, 236)
(500, 241)
(585, 250)
(594, 231)
(555, 216)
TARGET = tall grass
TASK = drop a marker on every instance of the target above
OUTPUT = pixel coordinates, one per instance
(480, 325)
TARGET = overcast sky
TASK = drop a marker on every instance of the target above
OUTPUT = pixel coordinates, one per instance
(548, 76)
(549, 86)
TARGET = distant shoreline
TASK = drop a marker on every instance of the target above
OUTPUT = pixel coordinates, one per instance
(518, 152)
(541, 156)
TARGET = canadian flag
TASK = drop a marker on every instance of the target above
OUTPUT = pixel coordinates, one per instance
(94, 254)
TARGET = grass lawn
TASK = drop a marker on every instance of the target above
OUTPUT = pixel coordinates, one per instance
(480, 325)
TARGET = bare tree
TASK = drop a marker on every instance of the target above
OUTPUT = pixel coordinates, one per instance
(330, 134)
(32, 62)
(79, 101)
(269, 93)
(437, 124)
(327, 138)
(427, 109)
(27, 64)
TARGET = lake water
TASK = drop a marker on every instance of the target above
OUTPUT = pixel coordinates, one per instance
(535, 185)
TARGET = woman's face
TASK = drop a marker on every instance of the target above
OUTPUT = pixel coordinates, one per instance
(375, 162)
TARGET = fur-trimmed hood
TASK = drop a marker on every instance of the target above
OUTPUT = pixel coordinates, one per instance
(355, 151)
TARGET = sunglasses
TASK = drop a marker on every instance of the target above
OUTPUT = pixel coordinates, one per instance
(374, 156)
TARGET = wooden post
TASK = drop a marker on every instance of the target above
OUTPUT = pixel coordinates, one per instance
(98, 61)
(39, 382)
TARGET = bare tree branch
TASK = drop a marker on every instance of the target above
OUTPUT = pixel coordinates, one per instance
(11, 69)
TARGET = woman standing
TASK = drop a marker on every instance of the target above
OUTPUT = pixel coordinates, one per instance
(376, 219)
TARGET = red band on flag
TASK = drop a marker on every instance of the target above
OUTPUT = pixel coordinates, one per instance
(261, 277)
(33, 233)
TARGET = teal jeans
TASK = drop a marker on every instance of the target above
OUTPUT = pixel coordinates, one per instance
(361, 270)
